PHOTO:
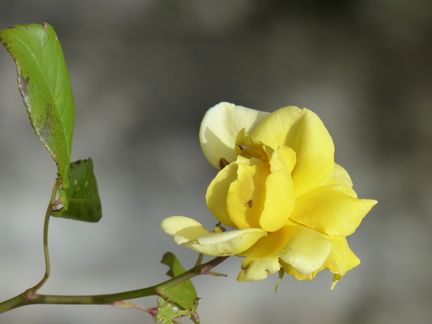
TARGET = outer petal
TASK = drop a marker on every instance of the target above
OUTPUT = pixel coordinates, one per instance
(259, 269)
(192, 234)
(262, 259)
(331, 212)
(306, 251)
(298, 275)
(341, 259)
(226, 243)
(183, 229)
(340, 180)
(339, 176)
(301, 248)
(339, 262)
(219, 129)
(304, 132)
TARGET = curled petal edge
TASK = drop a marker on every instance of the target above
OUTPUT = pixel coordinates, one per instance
(190, 233)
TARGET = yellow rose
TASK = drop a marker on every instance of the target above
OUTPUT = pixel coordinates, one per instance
(291, 205)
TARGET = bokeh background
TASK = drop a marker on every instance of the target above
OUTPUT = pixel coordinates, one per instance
(145, 71)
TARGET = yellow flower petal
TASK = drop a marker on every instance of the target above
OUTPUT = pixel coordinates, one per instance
(190, 233)
(304, 132)
(283, 159)
(340, 180)
(226, 243)
(280, 127)
(258, 269)
(339, 176)
(298, 275)
(339, 262)
(183, 228)
(301, 248)
(262, 259)
(217, 193)
(279, 196)
(219, 129)
(331, 212)
(341, 259)
(245, 199)
(306, 250)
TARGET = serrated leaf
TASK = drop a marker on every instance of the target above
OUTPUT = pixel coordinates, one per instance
(80, 201)
(44, 84)
(182, 294)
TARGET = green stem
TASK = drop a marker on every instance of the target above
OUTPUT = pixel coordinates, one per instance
(30, 297)
(46, 275)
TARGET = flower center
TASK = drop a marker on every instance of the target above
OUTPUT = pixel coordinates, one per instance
(262, 195)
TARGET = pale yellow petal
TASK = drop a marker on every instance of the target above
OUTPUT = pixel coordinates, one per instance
(279, 197)
(246, 194)
(303, 131)
(219, 129)
(183, 228)
(190, 233)
(217, 193)
(306, 250)
(331, 212)
(259, 269)
(226, 243)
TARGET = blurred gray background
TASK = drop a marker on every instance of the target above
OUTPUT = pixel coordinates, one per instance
(145, 71)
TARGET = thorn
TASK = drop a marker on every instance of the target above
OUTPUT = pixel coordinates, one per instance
(129, 305)
(217, 274)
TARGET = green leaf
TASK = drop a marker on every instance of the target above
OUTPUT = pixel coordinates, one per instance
(178, 300)
(80, 201)
(167, 312)
(44, 83)
(183, 294)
